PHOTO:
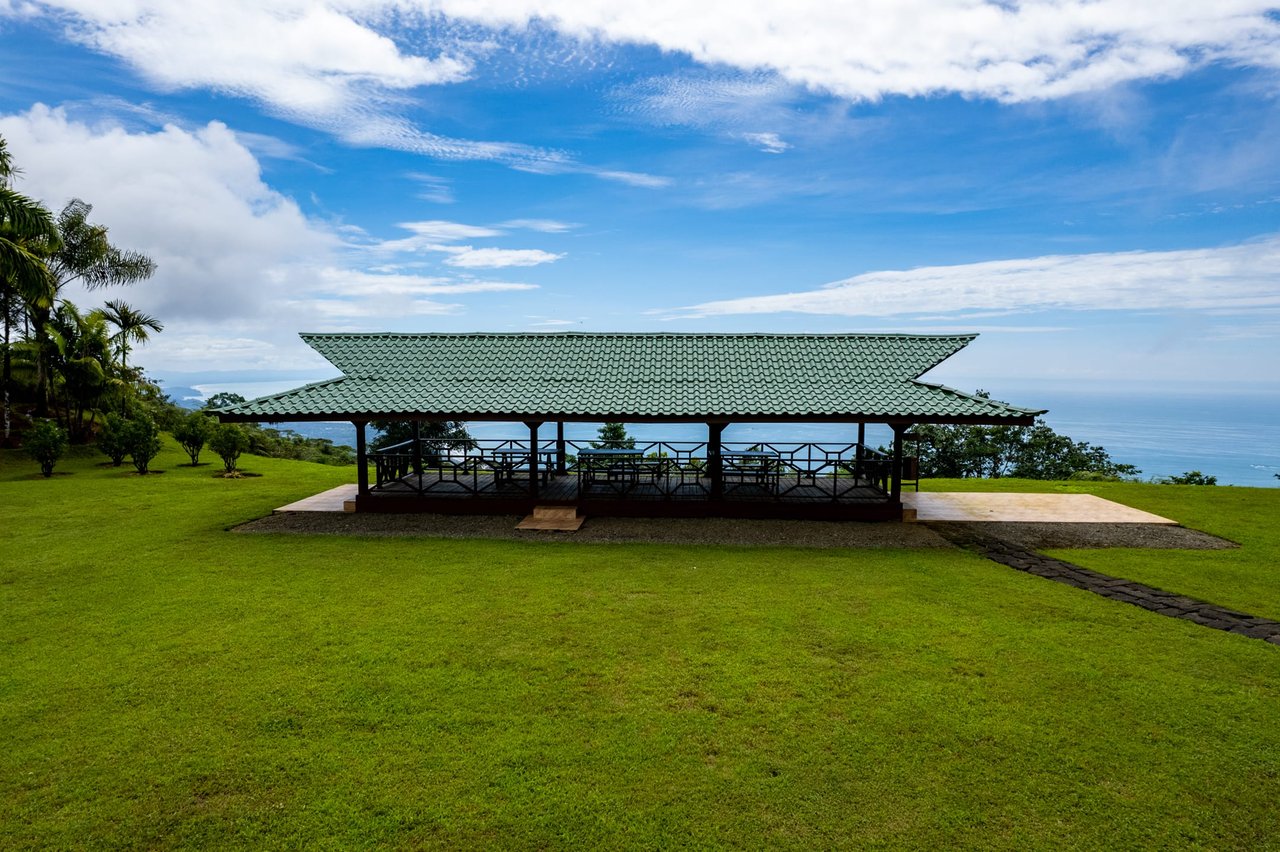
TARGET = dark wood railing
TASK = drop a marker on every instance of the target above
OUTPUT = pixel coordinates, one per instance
(675, 470)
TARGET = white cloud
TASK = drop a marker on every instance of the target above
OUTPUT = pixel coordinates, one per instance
(467, 257)
(546, 226)
(193, 200)
(442, 231)
(351, 282)
(346, 68)
(870, 49)
(1236, 279)
(770, 143)
(241, 269)
(432, 188)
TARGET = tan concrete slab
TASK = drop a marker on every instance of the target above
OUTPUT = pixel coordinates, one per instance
(1025, 508)
(333, 500)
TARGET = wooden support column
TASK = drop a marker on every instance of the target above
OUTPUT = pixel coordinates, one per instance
(417, 450)
(533, 458)
(362, 461)
(714, 465)
(860, 453)
(562, 466)
(895, 483)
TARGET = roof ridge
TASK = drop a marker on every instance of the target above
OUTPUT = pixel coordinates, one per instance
(769, 334)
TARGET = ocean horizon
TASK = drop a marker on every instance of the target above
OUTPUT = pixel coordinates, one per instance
(1232, 434)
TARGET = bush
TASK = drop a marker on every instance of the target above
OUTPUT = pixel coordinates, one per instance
(1192, 477)
(111, 438)
(142, 440)
(192, 432)
(228, 441)
(45, 442)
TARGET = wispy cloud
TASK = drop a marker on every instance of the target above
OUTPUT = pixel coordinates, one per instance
(441, 230)
(546, 226)
(350, 72)
(432, 188)
(442, 237)
(466, 257)
(770, 143)
(869, 50)
(1237, 279)
(352, 283)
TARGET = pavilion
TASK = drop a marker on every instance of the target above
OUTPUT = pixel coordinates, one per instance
(540, 379)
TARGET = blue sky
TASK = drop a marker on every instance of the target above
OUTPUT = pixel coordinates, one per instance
(1093, 186)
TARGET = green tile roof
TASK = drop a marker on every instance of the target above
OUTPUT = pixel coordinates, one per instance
(633, 376)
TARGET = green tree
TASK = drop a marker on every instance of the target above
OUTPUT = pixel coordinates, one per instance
(613, 436)
(28, 237)
(111, 439)
(229, 441)
(85, 255)
(131, 327)
(1026, 452)
(223, 399)
(192, 433)
(80, 358)
(142, 440)
(440, 435)
(45, 442)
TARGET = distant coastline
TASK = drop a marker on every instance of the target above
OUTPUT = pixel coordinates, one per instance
(1233, 434)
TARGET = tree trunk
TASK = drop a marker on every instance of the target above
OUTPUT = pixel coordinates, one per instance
(7, 307)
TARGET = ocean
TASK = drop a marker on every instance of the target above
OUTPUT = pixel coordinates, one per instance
(1234, 436)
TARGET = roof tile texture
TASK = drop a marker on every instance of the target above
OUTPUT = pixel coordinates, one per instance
(613, 376)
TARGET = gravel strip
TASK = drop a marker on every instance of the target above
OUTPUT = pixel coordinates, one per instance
(1042, 536)
(733, 531)
(698, 531)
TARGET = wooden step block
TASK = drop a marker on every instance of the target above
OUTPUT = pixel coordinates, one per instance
(567, 513)
(558, 518)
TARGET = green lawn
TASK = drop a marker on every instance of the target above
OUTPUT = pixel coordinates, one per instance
(166, 683)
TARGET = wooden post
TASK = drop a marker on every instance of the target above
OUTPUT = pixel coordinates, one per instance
(533, 459)
(562, 466)
(715, 468)
(417, 451)
(895, 484)
(859, 454)
(362, 461)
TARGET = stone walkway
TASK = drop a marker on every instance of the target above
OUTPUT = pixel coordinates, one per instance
(1128, 591)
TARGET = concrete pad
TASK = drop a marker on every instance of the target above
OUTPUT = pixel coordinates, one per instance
(1025, 508)
(333, 500)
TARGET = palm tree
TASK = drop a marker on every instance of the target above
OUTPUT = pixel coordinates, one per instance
(131, 326)
(28, 237)
(81, 360)
(85, 254)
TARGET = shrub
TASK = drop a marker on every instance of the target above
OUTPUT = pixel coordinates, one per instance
(1192, 477)
(142, 440)
(111, 438)
(229, 441)
(45, 442)
(192, 432)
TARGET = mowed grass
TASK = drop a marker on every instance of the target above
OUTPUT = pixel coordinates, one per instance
(165, 683)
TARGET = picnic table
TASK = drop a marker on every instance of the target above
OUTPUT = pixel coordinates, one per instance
(751, 467)
(617, 468)
(507, 464)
